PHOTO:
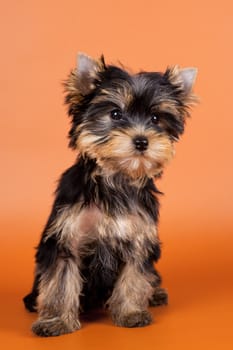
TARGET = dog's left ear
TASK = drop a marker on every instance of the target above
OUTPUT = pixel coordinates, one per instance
(183, 79)
(83, 78)
(188, 78)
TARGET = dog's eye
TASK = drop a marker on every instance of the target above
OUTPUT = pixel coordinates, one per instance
(155, 118)
(116, 114)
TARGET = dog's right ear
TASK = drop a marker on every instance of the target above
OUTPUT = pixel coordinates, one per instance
(83, 78)
(81, 82)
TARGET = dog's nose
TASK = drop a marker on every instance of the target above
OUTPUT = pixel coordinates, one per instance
(141, 143)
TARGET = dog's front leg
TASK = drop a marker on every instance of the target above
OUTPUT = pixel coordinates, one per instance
(129, 301)
(58, 300)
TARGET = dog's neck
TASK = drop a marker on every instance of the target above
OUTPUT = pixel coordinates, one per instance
(116, 179)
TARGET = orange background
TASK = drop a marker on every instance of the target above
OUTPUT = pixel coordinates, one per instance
(39, 43)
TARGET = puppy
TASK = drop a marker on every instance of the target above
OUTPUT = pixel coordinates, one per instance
(100, 243)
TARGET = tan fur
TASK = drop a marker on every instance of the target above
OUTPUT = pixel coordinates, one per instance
(119, 152)
(131, 294)
(61, 285)
(189, 99)
(122, 96)
(108, 248)
(78, 227)
(58, 301)
(169, 106)
(75, 227)
(77, 85)
(135, 228)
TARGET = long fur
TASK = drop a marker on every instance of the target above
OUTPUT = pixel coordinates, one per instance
(100, 243)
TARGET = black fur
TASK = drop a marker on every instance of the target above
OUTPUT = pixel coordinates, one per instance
(103, 264)
(100, 271)
(113, 181)
(147, 89)
(30, 300)
(77, 185)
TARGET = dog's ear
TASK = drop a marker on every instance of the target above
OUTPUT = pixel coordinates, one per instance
(81, 82)
(188, 78)
(87, 72)
(183, 80)
(83, 79)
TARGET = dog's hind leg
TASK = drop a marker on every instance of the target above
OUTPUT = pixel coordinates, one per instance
(159, 297)
(30, 300)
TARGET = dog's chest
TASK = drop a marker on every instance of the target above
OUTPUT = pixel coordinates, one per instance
(81, 227)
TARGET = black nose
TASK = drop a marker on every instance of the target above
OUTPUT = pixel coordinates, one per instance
(141, 143)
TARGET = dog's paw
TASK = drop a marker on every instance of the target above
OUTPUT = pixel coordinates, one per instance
(134, 319)
(160, 297)
(52, 327)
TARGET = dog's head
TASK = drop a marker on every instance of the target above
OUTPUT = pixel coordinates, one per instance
(127, 122)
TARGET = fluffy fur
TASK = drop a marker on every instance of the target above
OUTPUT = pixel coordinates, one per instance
(101, 242)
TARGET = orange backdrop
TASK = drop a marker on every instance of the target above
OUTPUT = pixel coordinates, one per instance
(39, 43)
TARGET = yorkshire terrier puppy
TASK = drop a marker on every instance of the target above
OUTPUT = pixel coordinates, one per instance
(100, 243)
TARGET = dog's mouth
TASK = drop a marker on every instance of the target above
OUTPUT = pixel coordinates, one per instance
(135, 166)
(136, 156)
(140, 154)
